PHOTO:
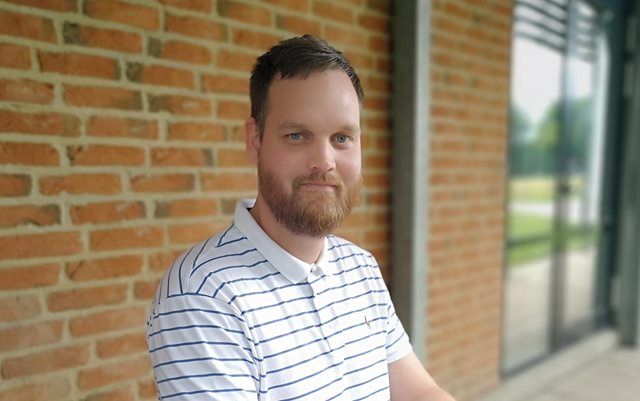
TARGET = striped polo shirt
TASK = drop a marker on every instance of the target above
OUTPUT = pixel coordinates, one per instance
(238, 318)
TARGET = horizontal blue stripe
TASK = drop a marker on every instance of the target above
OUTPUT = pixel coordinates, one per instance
(229, 255)
(212, 311)
(304, 361)
(255, 379)
(193, 326)
(234, 390)
(186, 344)
(209, 358)
(243, 266)
(306, 377)
(313, 391)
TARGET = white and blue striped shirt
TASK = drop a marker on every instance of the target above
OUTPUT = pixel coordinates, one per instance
(239, 318)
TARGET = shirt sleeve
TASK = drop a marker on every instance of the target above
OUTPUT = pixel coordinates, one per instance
(398, 345)
(201, 351)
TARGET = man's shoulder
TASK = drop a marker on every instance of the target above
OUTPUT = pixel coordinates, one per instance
(216, 258)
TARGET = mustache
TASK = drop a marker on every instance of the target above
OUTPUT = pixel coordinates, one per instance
(318, 178)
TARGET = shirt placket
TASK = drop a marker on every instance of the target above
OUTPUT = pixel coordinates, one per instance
(326, 312)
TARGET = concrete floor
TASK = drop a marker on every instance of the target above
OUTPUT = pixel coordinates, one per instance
(596, 369)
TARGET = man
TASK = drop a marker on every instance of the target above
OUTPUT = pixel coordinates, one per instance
(275, 307)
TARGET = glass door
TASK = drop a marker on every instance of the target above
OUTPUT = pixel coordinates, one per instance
(556, 166)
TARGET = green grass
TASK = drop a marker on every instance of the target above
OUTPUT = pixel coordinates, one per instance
(523, 226)
(539, 188)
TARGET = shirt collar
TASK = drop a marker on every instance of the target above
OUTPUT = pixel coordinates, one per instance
(294, 269)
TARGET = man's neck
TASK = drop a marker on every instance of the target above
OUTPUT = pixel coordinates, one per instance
(305, 248)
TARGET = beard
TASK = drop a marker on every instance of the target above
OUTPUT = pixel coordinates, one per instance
(307, 212)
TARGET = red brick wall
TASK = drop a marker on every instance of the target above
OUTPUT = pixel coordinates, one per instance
(121, 143)
(470, 62)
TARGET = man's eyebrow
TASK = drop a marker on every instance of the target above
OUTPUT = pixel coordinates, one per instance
(349, 128)
(292, 124)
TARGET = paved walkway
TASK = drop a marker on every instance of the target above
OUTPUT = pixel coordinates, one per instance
(595, 370)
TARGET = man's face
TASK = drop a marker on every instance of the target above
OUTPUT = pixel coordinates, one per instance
(309, 157)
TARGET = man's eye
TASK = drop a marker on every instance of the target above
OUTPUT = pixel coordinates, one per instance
(342, 138)
(296, 136)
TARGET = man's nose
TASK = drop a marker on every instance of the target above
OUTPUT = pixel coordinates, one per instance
(322, 158)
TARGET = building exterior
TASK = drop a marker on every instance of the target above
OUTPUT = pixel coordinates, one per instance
(121, 143)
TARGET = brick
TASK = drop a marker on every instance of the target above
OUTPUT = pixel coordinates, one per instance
(48, 389)
(229, 157)
(145, 289)
(229, 182)
(224, 83)
(53, 5)
(187, 208)
(26, 91)
(25, 336)
(46, 361)
(298, 24)
(104, 38)
(28, 154)
(159, 262)
(379, 44)
(179, 50)
(377, 180)
(128, 344)
(126, 13)
(201, 132)
(382, 6)
(233, 110)
(380, 123)
(345, 36)
(117, 127)
(39, 123)
(359, 60)
(254, 39)
(376, 162)
(181, 157)
(106, 375)
(16, 278)
(27, 26)
(106, 212)
(14, 185)
(295, 5)
(38, 245)
(79, 64)
(119, 394)
(373, 22)
(101, 184)
(196, 27)
(194, 233)
(14, 56)
(19, 307)
(234, 60)
(333, 12)
(83, 298)
(104, 268)
(163, 183)
(195, 5)
(126, 238)
(107, 321)
(182, 105)
(244, 12)
(159, 75)
(102, 97)
(105, 155)
(37, 215)
(147, 389)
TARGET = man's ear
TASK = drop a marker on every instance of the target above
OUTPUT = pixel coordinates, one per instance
(252, 140)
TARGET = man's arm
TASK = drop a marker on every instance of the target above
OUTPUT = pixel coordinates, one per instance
(409, 381)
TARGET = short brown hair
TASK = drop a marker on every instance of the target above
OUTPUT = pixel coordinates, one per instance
(295, 57)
